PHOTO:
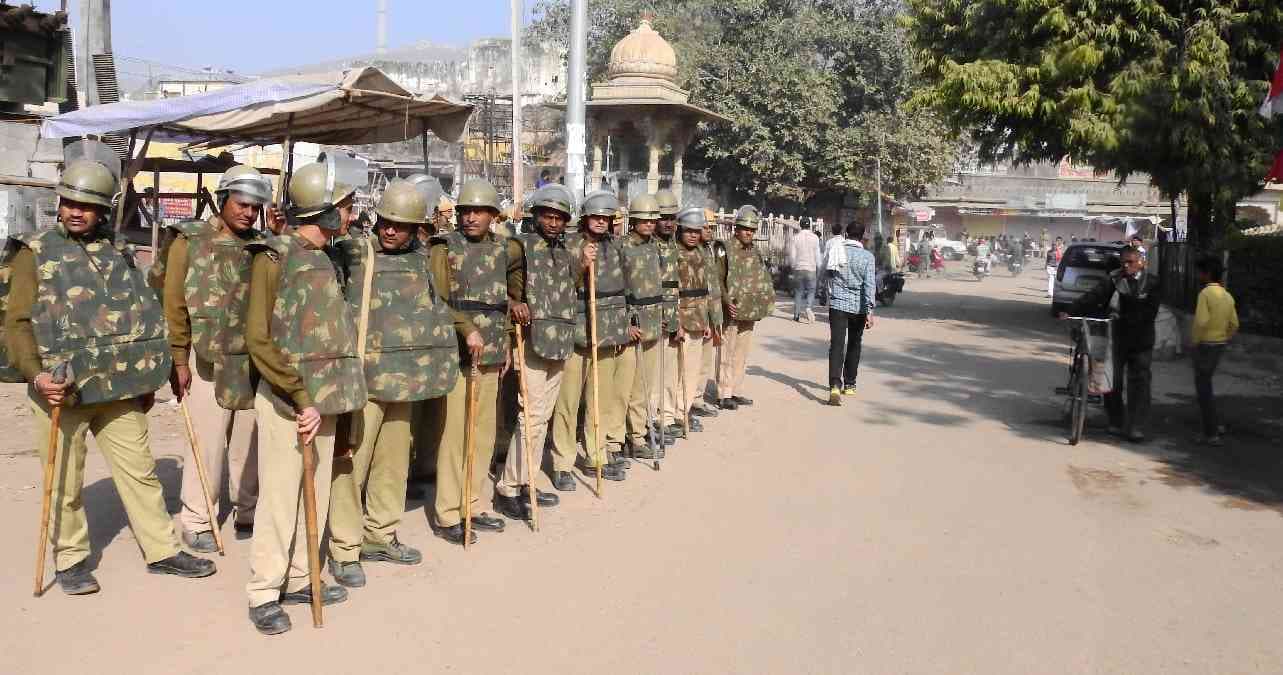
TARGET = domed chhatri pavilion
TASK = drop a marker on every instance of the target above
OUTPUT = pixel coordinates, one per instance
(640, 107)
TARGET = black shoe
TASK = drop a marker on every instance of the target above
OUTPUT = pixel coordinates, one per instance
(675, 431)
(700, 411)
(330, 595)
(695, 424)
(515, 508)
(608, 472)
(246, 529)
(269, 618)
(348, 574)
(543, 499)
(77, 579)
(201, 542)
(563, 481)
(646, 452)
(619, 459)
(727, 404)
(487, 523)
(740, 400)
(183, 564)
(454, 534)
(395, 552)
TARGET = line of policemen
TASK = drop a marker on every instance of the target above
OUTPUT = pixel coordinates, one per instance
(361, 345)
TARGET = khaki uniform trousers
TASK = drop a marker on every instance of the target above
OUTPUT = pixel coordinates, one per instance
(737, 340)
(378, 469)
(120, 430)
(675, 399)
(451, 450)
(544, 378)
(425, 431)
(646, 380)
(708, 372)
(615, 368)
(278, 550)
(215, 428)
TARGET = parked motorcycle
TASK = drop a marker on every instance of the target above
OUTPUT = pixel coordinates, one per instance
(889, 286)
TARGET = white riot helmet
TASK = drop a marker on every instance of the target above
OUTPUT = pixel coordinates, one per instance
(245, 181)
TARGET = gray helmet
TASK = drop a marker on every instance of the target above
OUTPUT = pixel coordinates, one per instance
(691, 218)
(478, 193)
(429, 187)
(314, 190)
(668, 205)
(554, 197)
(747, 218)
(247, 181)
(87, 181)
(402, 203)
(643, 207)
(600, 203)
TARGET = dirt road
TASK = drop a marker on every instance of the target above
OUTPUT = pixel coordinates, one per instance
(937, 523)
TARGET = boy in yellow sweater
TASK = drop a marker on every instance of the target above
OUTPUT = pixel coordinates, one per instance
(1215, 323)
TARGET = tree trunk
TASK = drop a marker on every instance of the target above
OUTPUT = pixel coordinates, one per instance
(1210, 218)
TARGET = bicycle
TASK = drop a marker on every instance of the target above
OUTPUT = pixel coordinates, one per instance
(1085, 345)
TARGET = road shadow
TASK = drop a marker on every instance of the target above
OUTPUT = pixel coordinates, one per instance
(812, 391)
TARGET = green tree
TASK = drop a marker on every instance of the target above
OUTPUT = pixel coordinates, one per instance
(815, 90)
(1168, 88)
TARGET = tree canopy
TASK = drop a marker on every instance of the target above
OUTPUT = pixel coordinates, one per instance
(815, 89)
(1169, 88)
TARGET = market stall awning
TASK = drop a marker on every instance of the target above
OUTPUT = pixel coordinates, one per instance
(351, 107)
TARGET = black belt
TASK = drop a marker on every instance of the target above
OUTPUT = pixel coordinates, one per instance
(693, 293)
(608, 294)
(642, 302)
(669, 284)
(477, 306)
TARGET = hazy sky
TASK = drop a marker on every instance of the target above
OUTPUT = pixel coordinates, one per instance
(249, 36)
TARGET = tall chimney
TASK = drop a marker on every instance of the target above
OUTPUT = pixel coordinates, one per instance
(382, 46)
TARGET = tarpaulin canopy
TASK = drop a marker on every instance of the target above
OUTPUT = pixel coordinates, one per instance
(351, 107)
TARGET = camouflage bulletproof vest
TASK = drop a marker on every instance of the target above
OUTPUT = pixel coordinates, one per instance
(216, 289)
(668, 254)
(642, 277)
(713, 276)
(748, 283)
(94, 309)
(313, 326)
(479, 289)
(693, 303)
(8, 372)
(410, 348)
(550, 293)
(612, 307)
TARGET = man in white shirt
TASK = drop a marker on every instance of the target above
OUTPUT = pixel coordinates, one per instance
(804, 257)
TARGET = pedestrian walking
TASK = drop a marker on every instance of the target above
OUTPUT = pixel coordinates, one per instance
(204, 280)
(747, 297)
(302, 340)
(541, 292)
(851, 301)
(1215, 323)
(1053, 261)
(1139, 293)
(409, 355)
(469, 271)
(76, 297)
(804, 258)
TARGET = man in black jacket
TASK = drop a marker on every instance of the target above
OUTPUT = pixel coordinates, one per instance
(1138, 299)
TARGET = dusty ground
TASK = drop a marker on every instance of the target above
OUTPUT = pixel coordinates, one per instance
(938, 523)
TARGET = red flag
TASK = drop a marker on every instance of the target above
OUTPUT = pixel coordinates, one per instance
(1276, 173)
(1274, 101)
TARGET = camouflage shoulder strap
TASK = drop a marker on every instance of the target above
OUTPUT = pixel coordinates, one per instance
(275, 247)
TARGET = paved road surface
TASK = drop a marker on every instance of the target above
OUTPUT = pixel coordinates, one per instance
(937, 523)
